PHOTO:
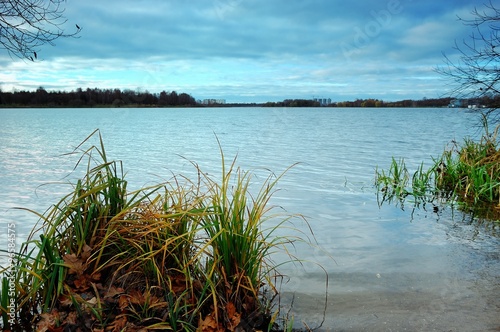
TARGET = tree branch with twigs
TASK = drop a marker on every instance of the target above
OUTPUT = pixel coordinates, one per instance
(25, 25)
(477, 72)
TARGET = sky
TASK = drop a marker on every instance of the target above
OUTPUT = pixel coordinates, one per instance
(251, 50)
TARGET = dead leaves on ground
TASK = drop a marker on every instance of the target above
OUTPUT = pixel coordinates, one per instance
(91, 302)
(233, 316)
(78, 278)
(211, 324)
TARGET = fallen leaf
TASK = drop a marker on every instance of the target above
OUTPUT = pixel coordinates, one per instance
(234, 317)
(235, 321)
(87, 250)
(178, 283)
(209, 324)
(123, 302)
(74, 264)
(118, 324)
(47, 321)
(72, 318)
(92, 301)
(136, 297)
(65, 301)
(95, 276)
(230, 309)
(157, 303)
(82, 283)
(113, 291)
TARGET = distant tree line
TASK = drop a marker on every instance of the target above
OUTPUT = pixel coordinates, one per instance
(118, 98)
(94, 98)
(362, 103)
(432, 102)
(492, 101)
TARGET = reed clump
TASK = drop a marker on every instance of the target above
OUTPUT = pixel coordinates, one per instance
(466, 174)
(179, 255)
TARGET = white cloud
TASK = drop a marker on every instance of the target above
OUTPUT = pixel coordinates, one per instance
(272, 49)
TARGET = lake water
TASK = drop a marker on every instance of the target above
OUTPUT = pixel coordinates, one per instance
(389, 269)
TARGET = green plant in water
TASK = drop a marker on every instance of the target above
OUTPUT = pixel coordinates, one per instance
(394, 183)
(468, 174)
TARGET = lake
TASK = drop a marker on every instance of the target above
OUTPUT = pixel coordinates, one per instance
(388, 269)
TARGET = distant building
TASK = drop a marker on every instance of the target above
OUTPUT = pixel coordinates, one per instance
(214, 101)
(323, 101)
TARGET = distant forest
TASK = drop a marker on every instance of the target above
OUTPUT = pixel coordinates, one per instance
(129, 98)
(426, 102)
(94, 98)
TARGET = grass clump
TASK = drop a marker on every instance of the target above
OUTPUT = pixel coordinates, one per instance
(239, 247)
(174, 256)
(397, 184)
(468, 174)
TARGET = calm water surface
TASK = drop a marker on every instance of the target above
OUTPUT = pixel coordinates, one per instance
(389, 269)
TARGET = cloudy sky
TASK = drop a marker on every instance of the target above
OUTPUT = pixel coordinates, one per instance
(251, 50)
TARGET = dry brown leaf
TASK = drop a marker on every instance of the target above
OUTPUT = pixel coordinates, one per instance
(235, 320)
(74, 264)
(118, 324)
(178, 288)
(123, 302)
(65, 301)
(72, 318)
(87, 250)
(136, 297)
(157, 302)
(82, 283)
(113, 291)
(95, 276)
(233, 315)
(92, 301)
(47, 321)
(178, 283)
(230, 309)
(209, 324)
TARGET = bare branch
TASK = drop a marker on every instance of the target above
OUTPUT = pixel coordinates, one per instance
(477, 72)
(25, 25)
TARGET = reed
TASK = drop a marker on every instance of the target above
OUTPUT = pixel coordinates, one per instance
(468, 174)
(178, 255)
(393, 184)
(240, 245)
(473, 171)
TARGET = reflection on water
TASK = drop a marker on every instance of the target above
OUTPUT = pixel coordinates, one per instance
(392, 269)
